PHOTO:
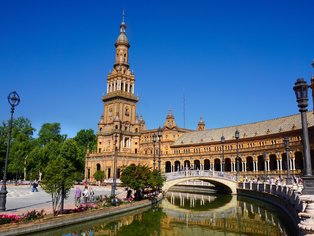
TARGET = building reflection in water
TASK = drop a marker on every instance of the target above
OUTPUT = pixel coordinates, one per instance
(224, 213)
(191, 214)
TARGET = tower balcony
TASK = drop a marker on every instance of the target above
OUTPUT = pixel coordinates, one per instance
(120, 94)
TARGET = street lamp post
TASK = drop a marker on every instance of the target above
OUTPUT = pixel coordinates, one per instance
(114, 181)
(223, 153)
(13, 100)
(154, 141)
(237, 136)
(301, 91)
(286, 143)
(264, 157)
(159, 151)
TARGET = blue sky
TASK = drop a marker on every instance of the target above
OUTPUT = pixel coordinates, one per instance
(234, 61)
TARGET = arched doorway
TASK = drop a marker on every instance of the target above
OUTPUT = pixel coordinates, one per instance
(298, 161)
(187, 165)
(273, 162)
(168, 167)
(240, 163)
(98, 166)
(177, 165)
(197, 165)
(217, 164)
(249, 163)
(284, 161)
(260, 163)
(206, 164)
(228, 165)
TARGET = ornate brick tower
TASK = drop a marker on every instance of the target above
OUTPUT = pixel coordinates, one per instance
(119, 114)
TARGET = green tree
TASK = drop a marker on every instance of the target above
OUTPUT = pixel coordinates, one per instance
(99, 175)
(40, 156)
(85, 139)
(156, 180)
(21, 145)
(135, 177)
(140, 177)
(71, 151)
(50, 132)
(59, 174)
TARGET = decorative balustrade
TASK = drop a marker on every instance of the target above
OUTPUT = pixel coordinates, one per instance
(290, 193)
(199, 173)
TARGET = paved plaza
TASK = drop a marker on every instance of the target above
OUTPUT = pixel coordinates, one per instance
(21, 199)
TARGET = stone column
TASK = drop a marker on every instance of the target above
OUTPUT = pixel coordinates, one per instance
(293, 163)
(268, 165)
(280, 163)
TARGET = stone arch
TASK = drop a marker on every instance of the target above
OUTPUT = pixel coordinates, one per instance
(284, 161)
(229, 185)
(240, 163)
(187, 164)
(168, 167)
(217, 164)
(298, 161)
(177, 166)
(228, 164)
(249, 163)
(98, 167)
(197, 165)
(206, 164)
(260, 163)
(273, 162)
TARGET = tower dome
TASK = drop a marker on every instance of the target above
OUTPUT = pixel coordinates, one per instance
(122, 39)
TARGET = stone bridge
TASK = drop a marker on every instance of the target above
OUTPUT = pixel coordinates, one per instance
(219, 179)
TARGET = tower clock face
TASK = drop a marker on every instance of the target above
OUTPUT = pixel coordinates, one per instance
(170, 123)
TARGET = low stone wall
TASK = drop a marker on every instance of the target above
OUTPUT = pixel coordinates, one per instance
(287, 199)
(66, 220)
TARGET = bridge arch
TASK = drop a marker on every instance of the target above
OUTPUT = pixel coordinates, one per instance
(222, 181)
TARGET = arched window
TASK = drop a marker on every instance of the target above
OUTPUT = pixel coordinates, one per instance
(98, 166)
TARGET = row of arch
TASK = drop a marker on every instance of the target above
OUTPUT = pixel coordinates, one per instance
(272, 163)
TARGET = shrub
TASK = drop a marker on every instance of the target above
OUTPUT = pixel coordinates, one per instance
(33, 215)
(9, 218)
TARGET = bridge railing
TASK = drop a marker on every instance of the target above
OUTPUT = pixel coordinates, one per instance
(289, 193)
(202, 173)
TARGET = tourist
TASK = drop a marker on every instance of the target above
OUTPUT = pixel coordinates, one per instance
(34, 186)
(129, 195)
(77, 196)
(85, 194)
(91, 194)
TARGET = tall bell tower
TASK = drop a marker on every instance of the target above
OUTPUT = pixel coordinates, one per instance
(119, 114)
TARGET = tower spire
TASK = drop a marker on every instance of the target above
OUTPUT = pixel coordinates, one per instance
(123, 15)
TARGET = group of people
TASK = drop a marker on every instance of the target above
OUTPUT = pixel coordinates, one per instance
(87, 194)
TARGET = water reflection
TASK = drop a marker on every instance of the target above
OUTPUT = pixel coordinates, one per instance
(191, 214)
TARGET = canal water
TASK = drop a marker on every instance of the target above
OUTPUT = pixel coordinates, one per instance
(191, 214)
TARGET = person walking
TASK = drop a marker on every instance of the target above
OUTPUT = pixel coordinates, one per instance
(86, 195)
(77, 196)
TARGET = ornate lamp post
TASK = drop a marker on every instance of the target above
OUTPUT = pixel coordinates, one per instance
(13, 100)
(114, 182)
(301, 91)
(286, 143)
(159, 151)
(237, 136)
(264, 158)
(223, 153)
(154, 141)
